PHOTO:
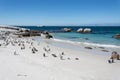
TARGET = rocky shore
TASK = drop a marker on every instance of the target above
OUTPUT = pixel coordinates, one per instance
(23, 32)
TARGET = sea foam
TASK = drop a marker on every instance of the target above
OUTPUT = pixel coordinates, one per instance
(86, 43)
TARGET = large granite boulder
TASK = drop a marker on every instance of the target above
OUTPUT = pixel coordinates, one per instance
(28, 33)
(117, 36)
(87, 30)
(47, 35)
(67, 29)
(80, 30)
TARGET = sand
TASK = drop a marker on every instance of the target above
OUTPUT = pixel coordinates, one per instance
(28, 59)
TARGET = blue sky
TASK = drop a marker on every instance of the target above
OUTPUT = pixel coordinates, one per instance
(59, 12)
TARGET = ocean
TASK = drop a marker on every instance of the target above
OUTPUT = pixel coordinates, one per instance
(100, 36)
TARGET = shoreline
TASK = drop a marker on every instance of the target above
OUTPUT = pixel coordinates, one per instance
(28, 58)
(86, 43)
(98, 50)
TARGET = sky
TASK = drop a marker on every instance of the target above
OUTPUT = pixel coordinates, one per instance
(59, 12)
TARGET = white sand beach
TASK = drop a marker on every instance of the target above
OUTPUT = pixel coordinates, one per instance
(28, 59)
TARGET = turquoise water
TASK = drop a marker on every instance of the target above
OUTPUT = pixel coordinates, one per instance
(101, 35)
(98, 39)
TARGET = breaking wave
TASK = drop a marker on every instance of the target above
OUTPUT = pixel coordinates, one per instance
(86, 43)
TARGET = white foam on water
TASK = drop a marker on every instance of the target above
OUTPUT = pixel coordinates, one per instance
(87, 43)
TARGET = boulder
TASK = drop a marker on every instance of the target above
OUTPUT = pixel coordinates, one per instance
(117, 36)
(47, 35)
(67, 29)
(80, 30)
(45, 32)
(87, 30)
(28, 33)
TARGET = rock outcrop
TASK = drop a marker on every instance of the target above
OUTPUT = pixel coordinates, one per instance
(117, 36)
(67, 29)
(47, 35)
(28, 33)
(86, 30)
(80, 30)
